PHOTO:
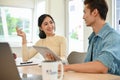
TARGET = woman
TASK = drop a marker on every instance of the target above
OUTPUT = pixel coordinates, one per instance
(48, 38)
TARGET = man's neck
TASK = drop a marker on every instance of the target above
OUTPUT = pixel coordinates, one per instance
(98, 26)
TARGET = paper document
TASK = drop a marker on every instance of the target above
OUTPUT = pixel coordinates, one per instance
(44, 50)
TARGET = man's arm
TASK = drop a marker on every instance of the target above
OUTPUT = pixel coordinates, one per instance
(88, 67)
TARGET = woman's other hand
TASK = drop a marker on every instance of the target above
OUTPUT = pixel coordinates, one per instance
(50, 57)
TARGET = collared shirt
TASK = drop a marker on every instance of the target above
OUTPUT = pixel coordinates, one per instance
(105, 47)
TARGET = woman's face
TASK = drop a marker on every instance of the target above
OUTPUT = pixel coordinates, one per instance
(48, 26)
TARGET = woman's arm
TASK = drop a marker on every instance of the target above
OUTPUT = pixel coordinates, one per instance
(26, 54)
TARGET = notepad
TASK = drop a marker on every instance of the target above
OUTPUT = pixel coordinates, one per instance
(31, 62)
(26, 64)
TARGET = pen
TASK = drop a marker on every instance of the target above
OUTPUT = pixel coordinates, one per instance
(26, 62)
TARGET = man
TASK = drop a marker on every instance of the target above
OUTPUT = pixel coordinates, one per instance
(103, 55)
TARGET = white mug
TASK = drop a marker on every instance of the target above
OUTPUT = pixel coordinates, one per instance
(50, 70)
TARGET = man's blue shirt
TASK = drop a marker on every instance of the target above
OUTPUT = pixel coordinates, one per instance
(105, 47)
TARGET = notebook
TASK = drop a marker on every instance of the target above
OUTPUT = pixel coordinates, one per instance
(8, 69)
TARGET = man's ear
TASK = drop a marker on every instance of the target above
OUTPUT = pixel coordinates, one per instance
(95, 12)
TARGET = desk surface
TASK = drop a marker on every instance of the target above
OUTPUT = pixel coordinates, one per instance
(69, 75)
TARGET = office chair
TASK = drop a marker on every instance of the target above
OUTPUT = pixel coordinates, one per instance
(76, 57)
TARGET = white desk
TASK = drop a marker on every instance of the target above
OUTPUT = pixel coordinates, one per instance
(69, 75)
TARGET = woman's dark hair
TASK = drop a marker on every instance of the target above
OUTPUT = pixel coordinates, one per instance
(42, 34)
(100, 5)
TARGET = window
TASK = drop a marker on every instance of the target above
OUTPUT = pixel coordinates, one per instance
(76, 33)
(10, 17)
(24, 16)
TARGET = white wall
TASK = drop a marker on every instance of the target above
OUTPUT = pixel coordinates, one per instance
(57, 10)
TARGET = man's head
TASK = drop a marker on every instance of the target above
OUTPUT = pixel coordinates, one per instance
(100, 5)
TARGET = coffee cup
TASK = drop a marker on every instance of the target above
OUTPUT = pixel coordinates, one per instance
(52, 70)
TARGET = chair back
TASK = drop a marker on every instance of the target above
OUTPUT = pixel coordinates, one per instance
(76, 57)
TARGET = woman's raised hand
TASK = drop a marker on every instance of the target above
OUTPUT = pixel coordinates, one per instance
(22, 34)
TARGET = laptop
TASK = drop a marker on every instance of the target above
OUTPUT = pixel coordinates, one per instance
(8, 68)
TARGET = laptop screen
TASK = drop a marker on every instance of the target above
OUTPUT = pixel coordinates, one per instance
(8, 69)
